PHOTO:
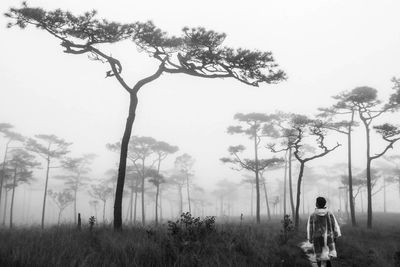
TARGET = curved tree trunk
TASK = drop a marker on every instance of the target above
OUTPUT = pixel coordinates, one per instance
(266, 201)
(12, 198)
(45, 191)
(297, 219)
(122, 162)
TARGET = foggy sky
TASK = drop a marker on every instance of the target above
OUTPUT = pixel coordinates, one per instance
(325, 47)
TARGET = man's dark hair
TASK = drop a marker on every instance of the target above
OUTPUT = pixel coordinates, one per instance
(320, 203)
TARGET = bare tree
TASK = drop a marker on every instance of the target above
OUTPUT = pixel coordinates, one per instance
(10, 137)
(198, 52)
(62, 199)
(101, 191)
(22, 164)
(184, 164)
(49, 147)
(76, 168)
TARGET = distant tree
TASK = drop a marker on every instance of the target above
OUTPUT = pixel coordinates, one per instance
(272, 163)
(253, 126)
(251, 181)
(10, 136)
(287, 134)
(184, 164)
(94, 204)
(343, 107)
(162, 150)
(101, 191)
(178, 179)
(225, 191)
(369, 108)
(199, 52)
(49, 147)
(303, 126)
(22, 163)
(395, 170)
(76, 168)
(62, 199)
(7, 174)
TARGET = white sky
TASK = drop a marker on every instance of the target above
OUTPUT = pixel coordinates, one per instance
(324, 46)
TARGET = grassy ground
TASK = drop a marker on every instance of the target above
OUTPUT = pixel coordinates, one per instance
(192, 243)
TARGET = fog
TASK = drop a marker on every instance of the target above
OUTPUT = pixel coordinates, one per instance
(325, 47)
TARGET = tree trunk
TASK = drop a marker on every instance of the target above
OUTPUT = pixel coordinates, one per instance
(45, 190)
(135, 206)
(369, 195)
(290, 183)
(160, 196)
(302, 186)
(131, 202)
(285, 185)
(252, 200)
(257, 179)
(188, 192)
(297, 219)
(349, 164)
(266, 202)
(5, 208)
(143, 208)
(12, 197)
(122, 162)
(104, 211)
(157, 189)
(75, 193)
(3, 170)
(180, 200)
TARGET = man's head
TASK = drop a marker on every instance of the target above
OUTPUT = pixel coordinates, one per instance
(320, 203)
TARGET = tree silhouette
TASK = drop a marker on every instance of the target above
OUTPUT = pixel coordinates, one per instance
(48, 147)
(10, 136)
(252, 125)
(101, 191)
(162, 150)
(184, 164)
(198, 52)
(179, 180)
(303, 126)
(76, 168)
(369, 108)
(343, 107)
(62, 199)
(21, 164)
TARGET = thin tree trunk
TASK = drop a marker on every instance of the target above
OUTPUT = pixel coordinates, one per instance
(290, 183)
(266, 202)
(157, 189)
(297, 219)
(285, 184)
(104, 211)
(252, 200)
(4, 169)
(302, 186)
(122, 162)
(45, 190)
(136, 195)
(75, 193)
(5, 208)
(257, 179)
(131, 202)
(143, 208)
(12, 197)
(188, 193)
(349, 164)
(181, 200)
(161, 217)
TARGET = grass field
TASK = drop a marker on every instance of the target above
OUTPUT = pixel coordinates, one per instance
(192, 243)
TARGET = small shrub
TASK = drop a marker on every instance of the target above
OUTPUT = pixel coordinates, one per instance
(288, 229)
